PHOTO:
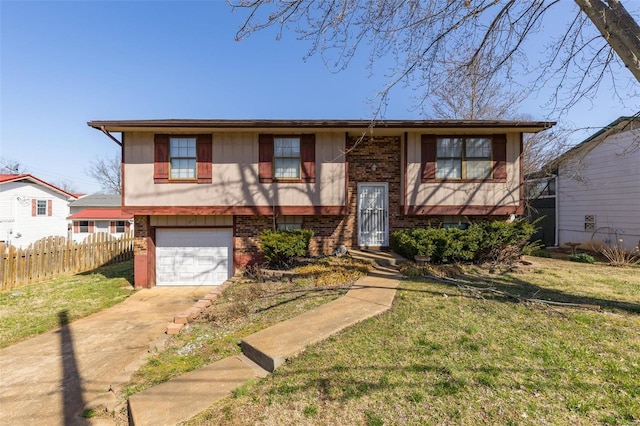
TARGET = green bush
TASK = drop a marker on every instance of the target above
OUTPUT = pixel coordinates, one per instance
(582, 258)
(481, 242)
(280, 247)
(541, 253)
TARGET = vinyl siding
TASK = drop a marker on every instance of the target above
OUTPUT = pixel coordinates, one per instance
(16, 214)
(604, 182)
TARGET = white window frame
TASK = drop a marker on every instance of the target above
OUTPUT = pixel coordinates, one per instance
(41, 207)
(290, 158)
(183, 156)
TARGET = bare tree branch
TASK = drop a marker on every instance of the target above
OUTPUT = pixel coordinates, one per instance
(107, 171)
(417, 34)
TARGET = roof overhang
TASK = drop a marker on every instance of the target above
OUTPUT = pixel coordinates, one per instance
(30, 178)
(380, 127)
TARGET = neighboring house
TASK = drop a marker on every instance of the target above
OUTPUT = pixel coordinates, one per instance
(98, 213)
(31, 209)
(201, 191)
(597, 186)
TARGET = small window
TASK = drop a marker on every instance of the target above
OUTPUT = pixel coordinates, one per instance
(120, 226)
(182, 158)
(83, 226)
(286, 157)
(289, 223)
(41, 207)
(454, 222)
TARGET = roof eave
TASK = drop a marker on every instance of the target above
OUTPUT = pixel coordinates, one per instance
(133, 125)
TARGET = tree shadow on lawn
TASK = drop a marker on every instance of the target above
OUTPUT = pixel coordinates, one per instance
(524, 289)
(114, 270)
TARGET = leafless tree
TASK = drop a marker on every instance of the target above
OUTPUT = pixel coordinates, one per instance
(66, 185)
(107, 172)
(601, 38)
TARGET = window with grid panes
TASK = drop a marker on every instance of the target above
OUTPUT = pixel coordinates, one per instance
(182, 157)
(41, 207)
(286, 157)
(463, 158)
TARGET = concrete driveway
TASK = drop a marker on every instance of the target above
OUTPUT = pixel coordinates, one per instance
(52, 378)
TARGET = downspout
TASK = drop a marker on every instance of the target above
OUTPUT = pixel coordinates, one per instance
(557, 209)
(106, 132)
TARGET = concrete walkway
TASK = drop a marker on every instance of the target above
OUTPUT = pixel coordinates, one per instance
(184, 397)
(52, 378)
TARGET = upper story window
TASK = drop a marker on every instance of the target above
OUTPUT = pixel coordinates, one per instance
(469, 158)
(41, 208)
(288, 158)
(182, 158)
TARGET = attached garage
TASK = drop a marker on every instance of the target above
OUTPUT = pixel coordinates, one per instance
(193, 256)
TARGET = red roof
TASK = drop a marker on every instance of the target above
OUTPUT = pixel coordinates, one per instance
(101, 213)
(25, 176)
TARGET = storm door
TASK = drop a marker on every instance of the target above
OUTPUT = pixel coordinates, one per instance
(373, 214)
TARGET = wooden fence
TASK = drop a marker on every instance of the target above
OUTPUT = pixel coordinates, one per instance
(55, 256)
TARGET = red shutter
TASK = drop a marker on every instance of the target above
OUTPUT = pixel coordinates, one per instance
(76, 227)
(91, 227)
(49, 207)
(112, 227)
(161, 159)
(308, 157)
(428, 158)
(265, 158)
(34, 207)
(499, 157)
(204, 157)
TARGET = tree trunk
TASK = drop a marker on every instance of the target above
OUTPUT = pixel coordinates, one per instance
(618, 28)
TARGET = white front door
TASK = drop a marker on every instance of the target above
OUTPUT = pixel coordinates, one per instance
(373, 214)
(192, 256)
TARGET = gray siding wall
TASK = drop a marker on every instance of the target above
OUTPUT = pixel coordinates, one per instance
(605, 182)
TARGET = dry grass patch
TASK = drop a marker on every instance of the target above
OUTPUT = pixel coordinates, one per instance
(441, 356)
(245, 307)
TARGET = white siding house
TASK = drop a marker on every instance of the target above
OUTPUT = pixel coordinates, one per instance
(598, 188)
(32, 209)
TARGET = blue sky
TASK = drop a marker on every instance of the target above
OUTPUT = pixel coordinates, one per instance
(66, 63)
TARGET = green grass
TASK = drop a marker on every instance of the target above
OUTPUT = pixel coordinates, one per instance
(34, 309)
(243, 309)
(440, 356)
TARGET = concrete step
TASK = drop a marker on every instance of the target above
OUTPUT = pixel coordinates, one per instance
(183, 397)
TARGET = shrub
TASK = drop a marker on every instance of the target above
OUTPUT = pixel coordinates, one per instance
(280, 247)
(541, 253)
(481, 242)
(582, 258)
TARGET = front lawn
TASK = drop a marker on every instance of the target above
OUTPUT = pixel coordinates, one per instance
(442, 355)
(34, 309)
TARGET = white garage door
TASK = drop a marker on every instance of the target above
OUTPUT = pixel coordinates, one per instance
(193, 256)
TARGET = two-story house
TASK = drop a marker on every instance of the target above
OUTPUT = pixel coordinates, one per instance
(201, 191)
(32, 209)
